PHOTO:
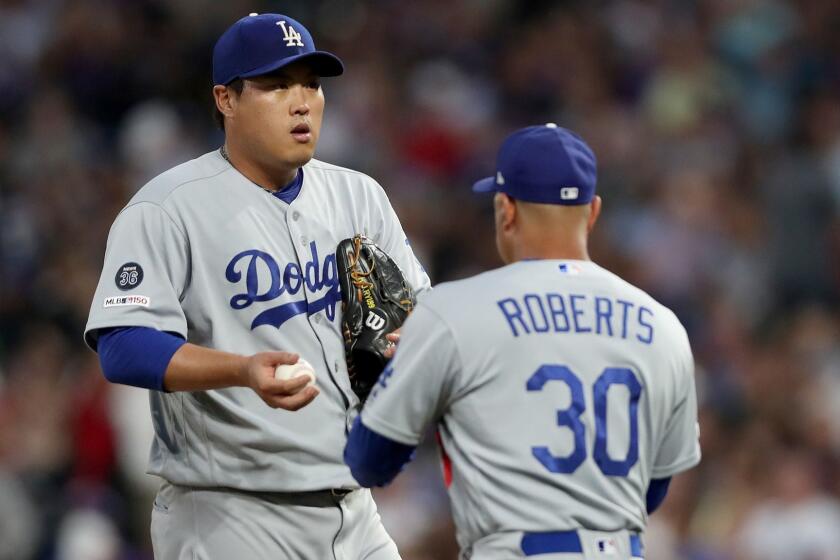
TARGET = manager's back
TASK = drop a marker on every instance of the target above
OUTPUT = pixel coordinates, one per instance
(563, 396)
(565, 391)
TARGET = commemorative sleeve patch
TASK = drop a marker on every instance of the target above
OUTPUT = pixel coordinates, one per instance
(129, 276)
(122, 301)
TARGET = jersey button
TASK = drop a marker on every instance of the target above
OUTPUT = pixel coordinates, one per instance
(303, 240)
(317, 318)
(295, 215)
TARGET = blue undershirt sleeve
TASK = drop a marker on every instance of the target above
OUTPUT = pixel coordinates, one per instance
(374, 460)
(136, 356)
(656, 493)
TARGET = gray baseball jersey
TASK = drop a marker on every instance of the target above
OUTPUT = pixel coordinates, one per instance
(559, 391)
(203, 252)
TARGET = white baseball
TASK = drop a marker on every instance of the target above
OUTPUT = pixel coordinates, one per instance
(289, 371)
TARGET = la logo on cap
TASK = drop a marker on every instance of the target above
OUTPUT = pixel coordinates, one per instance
(292, 37)
(500, 179)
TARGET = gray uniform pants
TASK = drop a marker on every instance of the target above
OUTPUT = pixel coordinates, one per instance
(224, 524)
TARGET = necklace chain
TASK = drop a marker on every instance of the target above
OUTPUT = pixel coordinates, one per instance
(224, 154)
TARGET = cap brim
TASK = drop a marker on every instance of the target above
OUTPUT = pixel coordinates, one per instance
(488, 184)
(323, 63)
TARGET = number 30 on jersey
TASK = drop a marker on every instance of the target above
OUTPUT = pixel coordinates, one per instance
(571, 418)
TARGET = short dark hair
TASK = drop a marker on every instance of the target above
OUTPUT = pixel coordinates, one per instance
(236, 85)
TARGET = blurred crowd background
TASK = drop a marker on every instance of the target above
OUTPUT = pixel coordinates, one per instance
(717, 128)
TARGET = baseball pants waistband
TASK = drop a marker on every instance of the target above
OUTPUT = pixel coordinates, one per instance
(314, 498)
(565, 542)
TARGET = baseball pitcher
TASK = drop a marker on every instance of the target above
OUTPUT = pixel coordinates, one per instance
(218, 274)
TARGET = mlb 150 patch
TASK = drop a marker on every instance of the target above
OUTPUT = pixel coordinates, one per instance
(121, 301)
(129, 276)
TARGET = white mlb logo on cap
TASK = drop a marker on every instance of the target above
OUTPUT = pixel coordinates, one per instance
(569, 193)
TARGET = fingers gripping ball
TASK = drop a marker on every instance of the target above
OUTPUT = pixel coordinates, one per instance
(290, 371)
(376, 299)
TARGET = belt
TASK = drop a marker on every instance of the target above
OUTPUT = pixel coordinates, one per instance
(314, 498)
(565, 541)
(332, 494)
(340, 493)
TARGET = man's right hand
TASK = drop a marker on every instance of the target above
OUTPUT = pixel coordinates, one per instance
(196, 368)
(288, 394)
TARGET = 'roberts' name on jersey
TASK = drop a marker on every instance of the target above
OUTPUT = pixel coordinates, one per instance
(577, 313)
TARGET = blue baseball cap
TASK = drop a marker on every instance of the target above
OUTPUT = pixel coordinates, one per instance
(547, 164)
(261, 43)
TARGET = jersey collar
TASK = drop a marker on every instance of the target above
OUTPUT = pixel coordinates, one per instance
(289, 193)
